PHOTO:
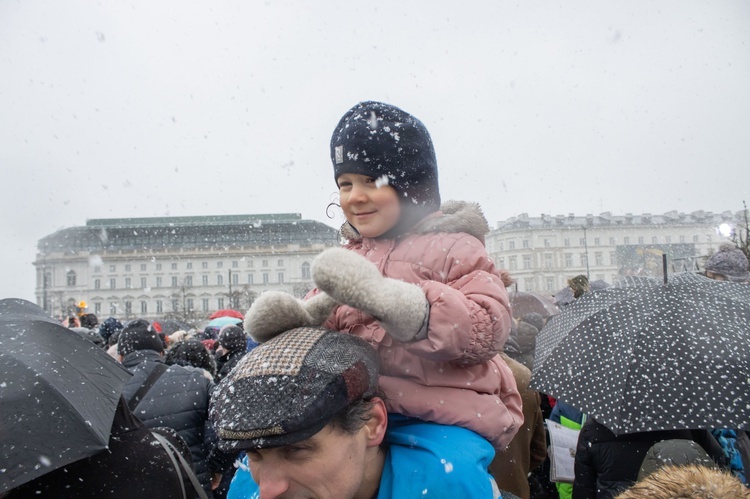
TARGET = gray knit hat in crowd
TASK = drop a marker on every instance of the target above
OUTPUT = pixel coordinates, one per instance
(290, 387)
(730, 262)
(139, 335)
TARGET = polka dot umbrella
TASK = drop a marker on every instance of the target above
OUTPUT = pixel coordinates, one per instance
(645, 355)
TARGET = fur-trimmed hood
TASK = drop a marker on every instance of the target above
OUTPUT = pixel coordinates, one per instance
(453, 217)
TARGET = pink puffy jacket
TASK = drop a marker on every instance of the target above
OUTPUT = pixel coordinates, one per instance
(454, 376)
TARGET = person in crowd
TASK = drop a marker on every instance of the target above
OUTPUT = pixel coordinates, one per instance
(691, 481)
(306, 408)
(414, 280)
(674, 452)
(193, 353)
(606, 464)
(528, 449)
(135, 464)
(108, 327)
(89, 321)
(728, 264)
(175, 396)
(232, 347)
(528, 328)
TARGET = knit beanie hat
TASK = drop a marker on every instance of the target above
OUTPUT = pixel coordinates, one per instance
(233, 338)
(109, 327)
(290, 387)
(139, 335)
(730, 262)
(385, 142)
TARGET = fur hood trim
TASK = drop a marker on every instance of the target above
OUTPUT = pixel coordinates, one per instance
(454, 216)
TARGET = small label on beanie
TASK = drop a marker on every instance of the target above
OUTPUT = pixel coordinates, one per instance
(338, 152)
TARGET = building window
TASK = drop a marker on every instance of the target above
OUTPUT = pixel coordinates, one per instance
(113, 268)
(525, 243)
(235, 264)
(306, 270)
(265, 277)
(174, 265)
(550, 284)
(529, 284)
(128, 308)
(127, 267)
(501, 262)
(204, 280)
(97, 308)
(249, 263)
(511, 245)
(668, 239)
(204, 265)
(512, 263)
(626, 240)
(612, 241)
(250, 278)
(235, 278)
(219, 280)
(584, 259)
(682, 239)
(612, 258)
(128, 284)
(189, 281)
(568, 259)
(526, 262)
(158, 282)
(599, 258)
(582, 241)
(654, 240)
(71, 278)
(264, 263)
(113, 309)
(547, 261)
(175, 305)
(596, 241)
(158, 266)
(143, 267)
(547, 244)
(159, 307)
(640, 239)
(566, 242)
(144, 284)
(113, 283)
(144, 307)
(695, 239)
(97, 269)
(174, 281)
(97, 283)
(220, 303)
(204, 304)
(189, 265)
(219, 265)
(500, 246)
(280, 276)
(190, 304)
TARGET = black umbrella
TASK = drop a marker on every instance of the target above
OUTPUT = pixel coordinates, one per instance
(651, 356)
(58, 394)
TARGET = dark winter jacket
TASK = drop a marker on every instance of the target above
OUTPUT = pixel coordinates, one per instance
(606, 464)
(226, 363)
(179, 400)
(134, 465)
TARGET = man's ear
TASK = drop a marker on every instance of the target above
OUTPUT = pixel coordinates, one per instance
(377, 424)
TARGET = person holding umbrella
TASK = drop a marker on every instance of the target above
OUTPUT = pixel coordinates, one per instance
(727, 264)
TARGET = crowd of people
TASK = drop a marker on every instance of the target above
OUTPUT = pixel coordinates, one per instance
(402, 374)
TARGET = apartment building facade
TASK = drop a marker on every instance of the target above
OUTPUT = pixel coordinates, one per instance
(541, 253)
(178, 266)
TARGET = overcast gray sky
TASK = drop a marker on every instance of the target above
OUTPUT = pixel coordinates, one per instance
(177, 107)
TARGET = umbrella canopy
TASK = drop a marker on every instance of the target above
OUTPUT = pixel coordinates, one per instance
(649, 356)
(223, 321)
(227, 312)
(523, 303)
(58, 394)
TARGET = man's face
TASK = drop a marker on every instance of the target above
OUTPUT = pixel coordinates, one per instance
(331, 464)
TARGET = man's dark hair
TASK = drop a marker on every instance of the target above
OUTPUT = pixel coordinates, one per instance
(352, 418)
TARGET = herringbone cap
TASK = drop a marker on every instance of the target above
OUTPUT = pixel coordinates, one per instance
(287, 389)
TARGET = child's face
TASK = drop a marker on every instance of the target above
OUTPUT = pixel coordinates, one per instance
(371, 209)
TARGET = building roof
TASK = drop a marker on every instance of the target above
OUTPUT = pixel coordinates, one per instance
(606, 219)
(189, 233)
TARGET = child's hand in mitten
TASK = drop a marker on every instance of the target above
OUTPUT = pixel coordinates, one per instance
(349, 278)
(275, 312)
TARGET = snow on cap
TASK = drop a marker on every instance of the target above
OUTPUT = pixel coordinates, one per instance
(290, 387)
(730, 262)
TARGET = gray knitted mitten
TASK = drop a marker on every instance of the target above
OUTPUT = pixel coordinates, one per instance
(400, 307)
(275, 312)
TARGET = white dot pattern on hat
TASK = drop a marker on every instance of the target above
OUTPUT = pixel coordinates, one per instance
(645, 356)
